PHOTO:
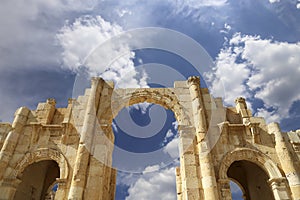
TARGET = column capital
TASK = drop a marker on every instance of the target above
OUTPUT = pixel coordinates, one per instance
(194, 80)
(276, 182)
(11, 182)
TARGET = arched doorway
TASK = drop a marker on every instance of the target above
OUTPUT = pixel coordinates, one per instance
(36, 180)
(261, 171)
(252, 179)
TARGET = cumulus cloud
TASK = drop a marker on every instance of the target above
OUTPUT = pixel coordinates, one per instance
(261, 69)
(229, 75)
(22, 37)
(274, 1)
(172, 148)
(154, 185)
(171, 141)
(81, 37)
(28, 31)
(200, 3)
(276, 72)
(81, 41)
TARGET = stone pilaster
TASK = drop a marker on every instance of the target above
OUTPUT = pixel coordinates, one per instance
(178, 184)
(12, 138)
(85, 143)
(8, 188)
(279, 188)
(45, 111)
(225, 189)
(190, 183)
(207, 172)
(288, 161)
(197, 107)
(241, 107)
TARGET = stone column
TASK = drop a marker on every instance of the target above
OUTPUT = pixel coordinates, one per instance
(178, 184)
(225, 189)
(85, 143)
(189, 165)
(9, 188)
(288, 161)
(241, 107)
(279, 188)
(12, 138)
(207, 172)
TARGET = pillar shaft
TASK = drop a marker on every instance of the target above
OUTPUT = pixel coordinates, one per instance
(287, 160)
(85, 143)
(208, 179)
(189, 175)
(12, 138)
(225, 189)
(279, 188)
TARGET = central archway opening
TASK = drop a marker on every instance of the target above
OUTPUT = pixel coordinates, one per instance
(145, 151)
(38, 181)
(252, 180)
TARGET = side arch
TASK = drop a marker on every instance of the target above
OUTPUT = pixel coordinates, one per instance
(40, 155)
(275, 179)
(250, 155)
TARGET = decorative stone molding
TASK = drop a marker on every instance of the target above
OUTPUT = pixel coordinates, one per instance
(39, 155)
(251, 155)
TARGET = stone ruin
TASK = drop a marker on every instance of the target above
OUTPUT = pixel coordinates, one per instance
(57, 147)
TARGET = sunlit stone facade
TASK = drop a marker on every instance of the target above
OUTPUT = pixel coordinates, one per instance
(72, 147)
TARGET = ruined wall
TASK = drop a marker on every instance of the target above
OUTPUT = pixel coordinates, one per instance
(213, 138)
(230, 135)
(60, 135)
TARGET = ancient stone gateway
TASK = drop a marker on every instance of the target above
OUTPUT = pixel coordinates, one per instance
(71, 148)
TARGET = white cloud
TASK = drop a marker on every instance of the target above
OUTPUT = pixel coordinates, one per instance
(265, 69)
(277, 72)
(228, 76)
(171, 141)
(271, 116)
(143, 107)
(172, 148)
(152, 168)
(81, 42)
(274, 1)
(122, 12)
(200, 3)
(28, 31)
(81, 37)
(226, 29)
(169, 134)
(154, 185)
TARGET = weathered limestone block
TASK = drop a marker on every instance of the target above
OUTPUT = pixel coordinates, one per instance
(212, 140)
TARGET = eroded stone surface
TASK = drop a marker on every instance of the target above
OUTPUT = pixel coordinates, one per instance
(213, 140)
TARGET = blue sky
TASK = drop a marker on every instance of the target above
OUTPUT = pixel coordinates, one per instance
(254, 45)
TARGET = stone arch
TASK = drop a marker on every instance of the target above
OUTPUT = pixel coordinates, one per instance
(164, 97)
(275, 179)
(250, 155)
(40, 155)
(36, 179)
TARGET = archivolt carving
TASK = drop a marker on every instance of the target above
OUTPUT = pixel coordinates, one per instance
(39, 155)
(250, 155)
(161, 96)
